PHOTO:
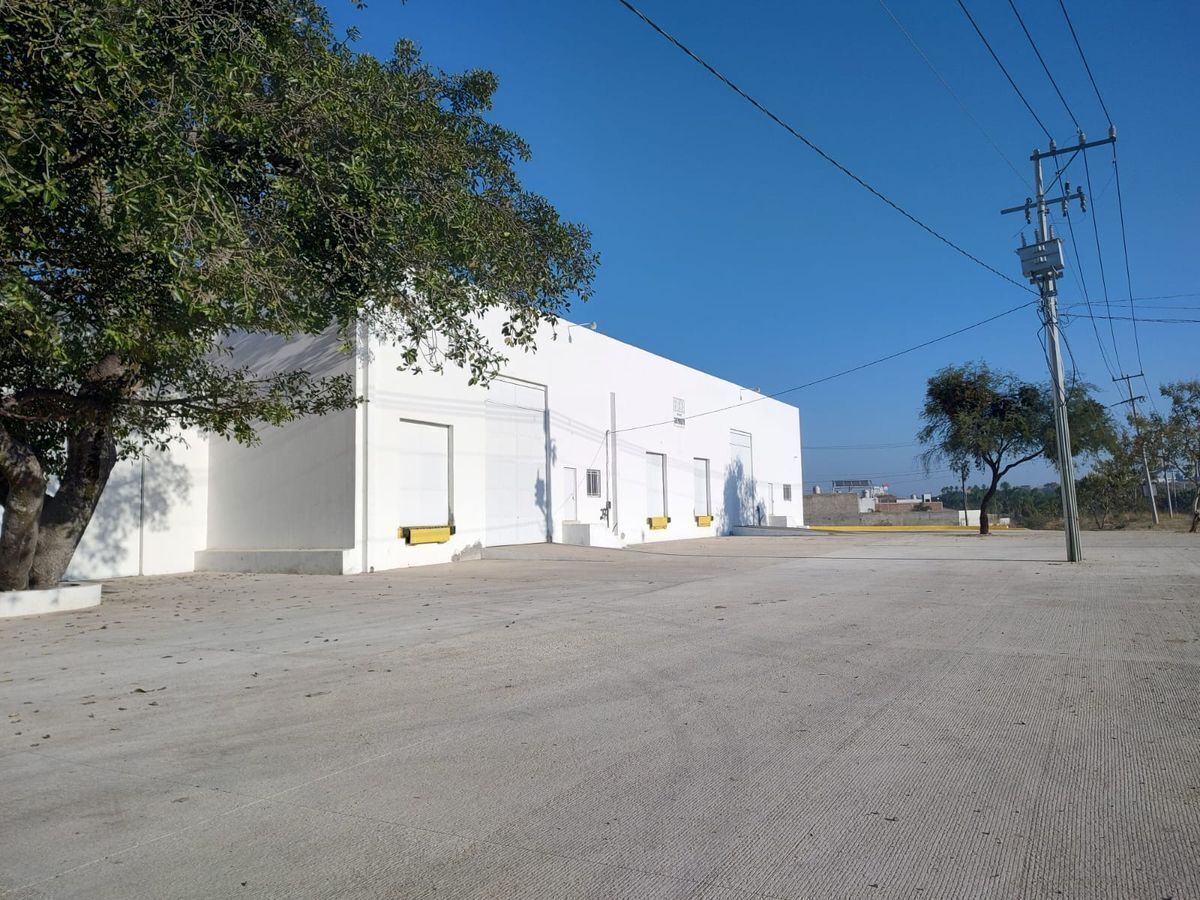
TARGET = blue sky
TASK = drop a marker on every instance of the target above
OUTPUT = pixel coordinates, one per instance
(728, 245)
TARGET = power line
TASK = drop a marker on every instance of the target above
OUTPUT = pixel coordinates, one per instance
(825, 156)
(1165, 306)
(1060, 171)
(1153, 321)
(979, 32)
(1082, 278)
(1168, 296)
(1137, 341)
(881, 475)
(852, 369)
(1075, 379)
(861, 446)
(1120, 202)
(1088, 68)
(1100, 260)
(1045, 68)
(951, 91)
(1088, 300)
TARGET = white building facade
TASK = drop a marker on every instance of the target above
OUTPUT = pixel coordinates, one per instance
(587, 440)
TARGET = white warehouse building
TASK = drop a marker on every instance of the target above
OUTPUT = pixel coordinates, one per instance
(587, 440)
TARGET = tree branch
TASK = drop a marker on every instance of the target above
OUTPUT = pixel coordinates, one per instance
(1023, 459)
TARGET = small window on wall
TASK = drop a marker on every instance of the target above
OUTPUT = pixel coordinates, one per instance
(593, 482)
(787, 492)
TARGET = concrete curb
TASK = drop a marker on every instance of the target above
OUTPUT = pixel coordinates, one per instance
(66, 596)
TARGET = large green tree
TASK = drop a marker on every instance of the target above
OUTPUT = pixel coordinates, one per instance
(174, 171)
(994, 422)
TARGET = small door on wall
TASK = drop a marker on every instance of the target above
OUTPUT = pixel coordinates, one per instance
(571, 500)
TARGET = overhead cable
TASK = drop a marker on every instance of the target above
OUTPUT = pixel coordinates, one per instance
(852, 369)
(1144, 320)
(1088, 300)
(861, 446)
(1083, 57)
(1137, 341)
(1045, 68)
(1100, 260)
(1012, 83)
(963, 106)
(825, 156)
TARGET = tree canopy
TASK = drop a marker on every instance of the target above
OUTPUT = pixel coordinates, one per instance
(993, 421)
(174, 171)
(1180, 435)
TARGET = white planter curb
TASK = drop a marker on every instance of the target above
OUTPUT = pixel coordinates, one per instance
(66, 596)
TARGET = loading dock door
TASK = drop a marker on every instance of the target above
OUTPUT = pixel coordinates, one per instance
(517, 490)
(739, 481)
(423, 481)
(656, 485)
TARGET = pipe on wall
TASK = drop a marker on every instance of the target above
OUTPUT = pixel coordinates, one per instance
(612, 413)
(365, 354)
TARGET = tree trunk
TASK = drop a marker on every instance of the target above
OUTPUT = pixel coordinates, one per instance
(1195, 498)
(983, 504)
(91, 455)
(24, 492)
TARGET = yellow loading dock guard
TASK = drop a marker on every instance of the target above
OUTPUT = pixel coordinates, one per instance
(425, 534)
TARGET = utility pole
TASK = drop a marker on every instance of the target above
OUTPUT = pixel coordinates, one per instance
(1167, 482)
(1132, 401)
(963, 474)
(1042, 263)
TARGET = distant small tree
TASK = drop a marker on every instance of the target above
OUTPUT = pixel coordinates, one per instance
(1111, 487)
(996, 422)
(1183, 434)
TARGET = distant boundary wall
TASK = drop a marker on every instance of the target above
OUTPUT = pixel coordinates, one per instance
(940, 517)
(830, 509)
(842, 509)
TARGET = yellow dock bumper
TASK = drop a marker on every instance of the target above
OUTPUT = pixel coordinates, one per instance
(425, 534)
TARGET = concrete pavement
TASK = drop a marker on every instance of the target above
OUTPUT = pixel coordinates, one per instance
(903, 715)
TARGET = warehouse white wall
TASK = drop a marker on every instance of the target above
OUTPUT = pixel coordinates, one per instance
(586, 369)
(152, 515)
(579, 373)
(295, 488)
(329, 494)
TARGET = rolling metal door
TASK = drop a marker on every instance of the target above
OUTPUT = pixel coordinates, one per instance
(423, 482)
(656, 485)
